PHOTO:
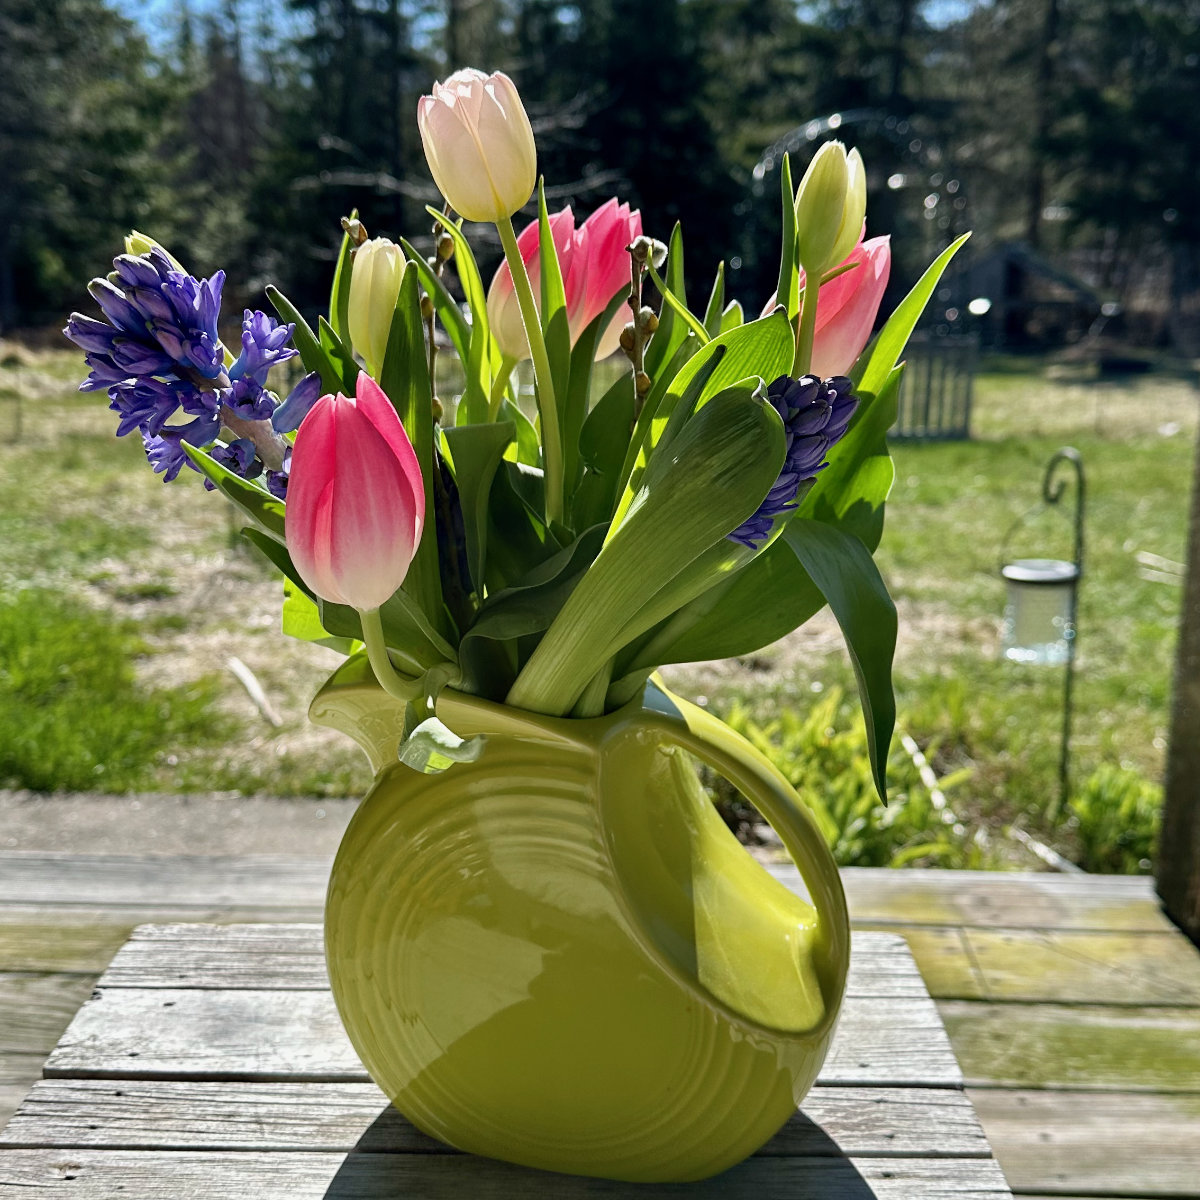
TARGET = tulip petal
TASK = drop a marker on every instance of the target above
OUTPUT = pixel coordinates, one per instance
(373, 403)
(847, 309)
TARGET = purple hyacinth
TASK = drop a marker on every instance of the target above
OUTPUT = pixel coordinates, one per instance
(815, 415)
(159, 352)
(277, 481)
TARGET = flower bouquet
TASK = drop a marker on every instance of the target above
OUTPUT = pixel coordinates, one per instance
(539, 934)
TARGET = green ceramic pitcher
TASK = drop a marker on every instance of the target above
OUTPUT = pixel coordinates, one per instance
(559, 955)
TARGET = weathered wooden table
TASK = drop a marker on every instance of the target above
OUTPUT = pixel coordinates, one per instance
(210, 1062)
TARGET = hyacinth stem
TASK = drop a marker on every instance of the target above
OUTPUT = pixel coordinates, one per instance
(499, 386)
(552, 449)
(396, 686)
(270, 447)
(806, 329)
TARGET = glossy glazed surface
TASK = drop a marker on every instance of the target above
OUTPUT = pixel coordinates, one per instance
(560, 956)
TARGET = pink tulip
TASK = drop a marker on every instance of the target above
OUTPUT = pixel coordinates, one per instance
(356, 502)
(594, 265)
(504, 314)
(847, 307)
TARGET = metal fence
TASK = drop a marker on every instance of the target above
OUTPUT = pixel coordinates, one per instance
(937, 388)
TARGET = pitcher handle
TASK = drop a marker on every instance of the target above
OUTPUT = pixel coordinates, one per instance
(768, 789)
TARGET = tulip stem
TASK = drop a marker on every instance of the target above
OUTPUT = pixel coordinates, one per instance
(806, 329)
(396, 686)
(552, 448)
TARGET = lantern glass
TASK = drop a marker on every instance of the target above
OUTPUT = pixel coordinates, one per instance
(1038, 626)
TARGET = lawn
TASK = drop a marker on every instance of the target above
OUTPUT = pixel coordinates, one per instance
(151, 575)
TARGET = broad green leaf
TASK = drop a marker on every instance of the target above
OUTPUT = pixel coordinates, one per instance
(444, 304)
(671, 331)
(340, 355)
(762, 602)
(851, 491)
(302, 620)
(873, 367)
(720, 467)
(477, 361)
(764, 348)
(716, 303)
(263, 508)
(518, 539)
(843, 569)
(339, 297)
(405, 380)
(603, 441)
(433, 747)
(312, 354)
(787, 290)
(476, 452)
(732, 317)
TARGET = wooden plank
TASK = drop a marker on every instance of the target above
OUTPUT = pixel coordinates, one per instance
(37, 941)
(944, 960)
(1076, 1046)
(999, 899)
(101, 1174)
(149, 1033)
(292, 957)
(205, 883)
(164, 1114)
(1095, 1144)
(18, 1073)
(1067, 967)
(36, 1008)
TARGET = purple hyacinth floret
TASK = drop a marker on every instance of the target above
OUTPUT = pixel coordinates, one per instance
(165, 450)
(238, 456)
(264, 343)
(815, 415)
(300, 399)
(249, 400)
(277, 481)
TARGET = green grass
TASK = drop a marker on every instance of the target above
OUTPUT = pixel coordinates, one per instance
(75, 717)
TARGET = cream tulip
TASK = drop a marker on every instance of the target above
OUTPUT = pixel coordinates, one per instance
(375, 278)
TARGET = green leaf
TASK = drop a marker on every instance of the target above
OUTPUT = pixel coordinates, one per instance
(721, 465)
(477, 362)
(264, 509)
(517, 535)
(681, 310)
(340, 355)
(579, 388)
(732, 317)
(433, 747)
(842, 567)
(671, 332)
(555, 329)
(764, 348)
(339, 298)
(528, 448)
(873, 368)
(405, 380)
(787, 290)
(603, 441)
(476, 451)
(302, 620)
(851, 491)
(716, 303)
(312, 354)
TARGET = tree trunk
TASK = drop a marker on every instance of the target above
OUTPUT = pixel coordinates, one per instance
(1178, 873)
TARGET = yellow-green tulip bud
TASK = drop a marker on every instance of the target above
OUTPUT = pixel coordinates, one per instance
(855, 209)
(375, 278)
(821, 209)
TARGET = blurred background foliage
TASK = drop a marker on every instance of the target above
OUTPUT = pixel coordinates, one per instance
(239, 133)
